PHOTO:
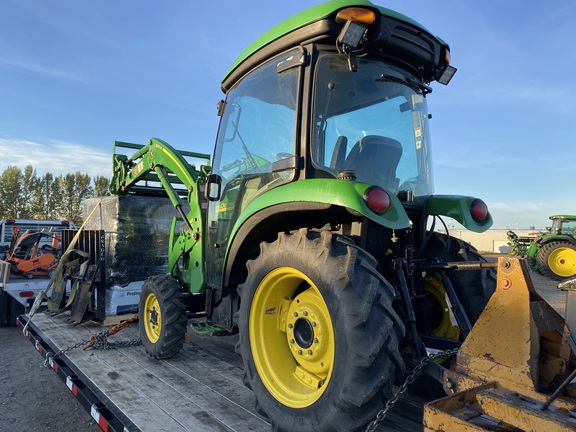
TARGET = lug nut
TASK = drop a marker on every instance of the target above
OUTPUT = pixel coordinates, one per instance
(305, 313)
(299, 352)
(310, 352)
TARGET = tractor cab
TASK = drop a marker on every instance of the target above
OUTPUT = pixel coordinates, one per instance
(563, 224)
(336, 97)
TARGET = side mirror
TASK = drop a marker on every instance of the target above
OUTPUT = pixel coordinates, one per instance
(213, 187)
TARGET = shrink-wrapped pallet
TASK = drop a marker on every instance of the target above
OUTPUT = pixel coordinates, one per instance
(137, 232)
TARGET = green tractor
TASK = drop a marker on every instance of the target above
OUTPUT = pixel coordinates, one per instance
(553, 253)
(316, 238)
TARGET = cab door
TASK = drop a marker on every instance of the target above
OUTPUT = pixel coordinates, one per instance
(256, 130)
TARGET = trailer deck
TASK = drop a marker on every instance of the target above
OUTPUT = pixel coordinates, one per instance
(200, 389)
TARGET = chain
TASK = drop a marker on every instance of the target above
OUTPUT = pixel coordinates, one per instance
(60, 353)
(99, 341)
(102, 342)
(409, 380)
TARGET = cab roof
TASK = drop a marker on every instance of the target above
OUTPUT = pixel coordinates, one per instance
(309, 16)
(563, 216)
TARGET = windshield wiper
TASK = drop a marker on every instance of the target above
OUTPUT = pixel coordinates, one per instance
(410, 82)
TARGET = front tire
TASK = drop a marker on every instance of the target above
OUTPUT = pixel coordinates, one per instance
(557, 260)
(318, 336)
(162, 316)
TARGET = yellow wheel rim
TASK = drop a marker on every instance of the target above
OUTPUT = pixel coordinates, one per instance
(442, 321)
(152, 318)
(291, 337)
(562, 261)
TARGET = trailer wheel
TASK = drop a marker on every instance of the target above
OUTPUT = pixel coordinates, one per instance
(318, 336)
(557, 260)
(162, 315)
(4, 308)
(10, 309)
(474, 288)
(16, 309)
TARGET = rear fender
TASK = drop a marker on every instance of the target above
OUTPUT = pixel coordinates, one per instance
(344, 193)
(556, 237)
(458, 208)
(313, 195)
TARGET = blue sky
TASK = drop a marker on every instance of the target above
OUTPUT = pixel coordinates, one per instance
(75, 75)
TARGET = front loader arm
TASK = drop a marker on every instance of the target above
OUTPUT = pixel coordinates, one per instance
(158, 162)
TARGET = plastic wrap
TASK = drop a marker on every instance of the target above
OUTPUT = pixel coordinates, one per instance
(137, 232)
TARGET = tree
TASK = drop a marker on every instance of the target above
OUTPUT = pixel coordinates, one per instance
(11, 200)
(101, 185)
(29, 181)
(46, 197)
(75, 189)
(25, 195)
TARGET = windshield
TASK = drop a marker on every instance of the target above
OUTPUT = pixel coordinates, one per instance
(373, 121)
(565, 226)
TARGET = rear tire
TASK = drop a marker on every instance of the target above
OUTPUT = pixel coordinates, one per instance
(557, 260)
(318, 336)
(475, 287)
(162, 315)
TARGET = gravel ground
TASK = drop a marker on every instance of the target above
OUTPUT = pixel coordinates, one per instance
(33, 398)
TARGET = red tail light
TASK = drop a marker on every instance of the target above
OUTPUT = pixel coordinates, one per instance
(377, 199)
(479, 210)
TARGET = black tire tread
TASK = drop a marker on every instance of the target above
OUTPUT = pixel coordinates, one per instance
(374, 332)
(174, 322)
(544, 253)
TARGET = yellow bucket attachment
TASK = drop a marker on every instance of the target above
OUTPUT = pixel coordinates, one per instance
(511, 371)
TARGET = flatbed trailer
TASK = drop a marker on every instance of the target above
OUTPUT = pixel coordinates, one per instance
(200, 389)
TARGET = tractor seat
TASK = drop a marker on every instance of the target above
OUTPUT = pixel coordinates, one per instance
(375, 159)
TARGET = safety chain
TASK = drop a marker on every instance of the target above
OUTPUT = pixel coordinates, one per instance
(409, 380)
(99, 341)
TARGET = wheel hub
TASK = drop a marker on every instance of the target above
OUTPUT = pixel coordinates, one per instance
(562, 262)
(153, 316)
(307, 332)
(440, 319)
(303, 333)
(292, 338)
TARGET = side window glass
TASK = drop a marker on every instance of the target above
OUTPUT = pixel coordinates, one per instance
(257, 128)
(257, 131)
